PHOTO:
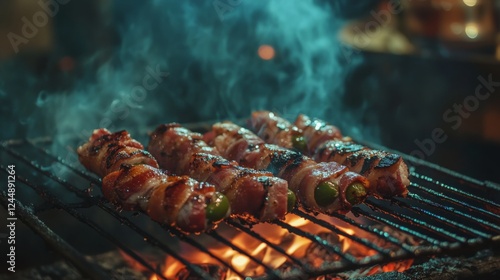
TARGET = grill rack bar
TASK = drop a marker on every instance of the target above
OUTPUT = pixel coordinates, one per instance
(455, 201)
(77, 215)
(54, 240)
(386, 221)
(277, 248)
(417, 222)
(417, 162)
(223, 240)
(455, 211)
(148, 237)
(380, 234)
(441, 246)
(455, 224)
(99, 203)
(152, 240)
(384, 252)
(455, 190)
(192, 242)
(200, 247)
(318, 240)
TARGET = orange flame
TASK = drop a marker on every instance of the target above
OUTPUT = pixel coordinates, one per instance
(292, 244)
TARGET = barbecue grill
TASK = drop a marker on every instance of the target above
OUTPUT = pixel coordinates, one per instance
(445, 214)
(69, 66)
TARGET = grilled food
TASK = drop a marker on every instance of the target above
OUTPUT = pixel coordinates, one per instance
(132, 181)
(253, 195)
(106, 152)
(276, 130)
(387, 172)
(326, 187)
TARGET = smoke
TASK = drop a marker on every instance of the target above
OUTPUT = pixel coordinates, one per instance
(190, 61)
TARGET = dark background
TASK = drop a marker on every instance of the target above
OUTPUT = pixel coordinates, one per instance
(78, 72)
(80, 68)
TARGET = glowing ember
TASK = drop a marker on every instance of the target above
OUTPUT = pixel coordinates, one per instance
(315, 254)
(346, 243)
(240, 262)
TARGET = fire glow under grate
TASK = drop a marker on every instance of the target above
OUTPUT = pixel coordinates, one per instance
(445, 213)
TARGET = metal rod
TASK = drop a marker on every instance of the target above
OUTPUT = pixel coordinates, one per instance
(434, 167)
(455, 190)
(150, 239)
(331, 227)
(87, 268)
(456, 225)
(476, 220)
(318, 240)
(399, 227)
(350, 262)
(83, 219)
(264, 240)
(453, 200)
(52, 199)
(457, 176)
(416, 221)
(202, 248)
(241, 251)
(381, 234)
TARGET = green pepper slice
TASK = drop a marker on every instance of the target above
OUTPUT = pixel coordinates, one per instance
(355, 193)
(218, 208)
(326, 193)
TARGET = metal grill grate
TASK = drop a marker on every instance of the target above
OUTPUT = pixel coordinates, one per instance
(445, 211)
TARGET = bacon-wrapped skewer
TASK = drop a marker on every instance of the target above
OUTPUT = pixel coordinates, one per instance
(279, 131)
(132, 180)
(387, 172)
(253, 195)
(325, 187)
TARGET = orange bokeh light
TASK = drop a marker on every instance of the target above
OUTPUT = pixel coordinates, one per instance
(66, 63)
(266, 52)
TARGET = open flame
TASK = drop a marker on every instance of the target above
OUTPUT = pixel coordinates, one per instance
(294, 245)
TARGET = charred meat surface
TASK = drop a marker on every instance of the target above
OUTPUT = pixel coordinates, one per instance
(132, 181)
(326, 187)
(387, 172)
(253, 195)
(106, 152)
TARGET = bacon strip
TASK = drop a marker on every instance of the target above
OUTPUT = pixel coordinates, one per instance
(132, 181)
(387, 172)
(302, 173)
(253, 195)
(106, 152)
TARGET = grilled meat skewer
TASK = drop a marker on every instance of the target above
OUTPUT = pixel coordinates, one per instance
(253, 195)
(279, 131)
(387, 172)
(132, 180)
(325, 187)
(106, 152)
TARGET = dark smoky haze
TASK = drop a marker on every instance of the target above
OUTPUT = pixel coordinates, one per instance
(136, 64)
(381, 73)
(130, 65)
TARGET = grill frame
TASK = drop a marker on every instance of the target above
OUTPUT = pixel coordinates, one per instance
(452, 243)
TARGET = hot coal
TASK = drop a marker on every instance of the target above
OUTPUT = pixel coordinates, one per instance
(112, 262)
(316, 254)
(484, 265)
(215, 271)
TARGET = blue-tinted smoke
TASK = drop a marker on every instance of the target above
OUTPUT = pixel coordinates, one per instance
(202, 63)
